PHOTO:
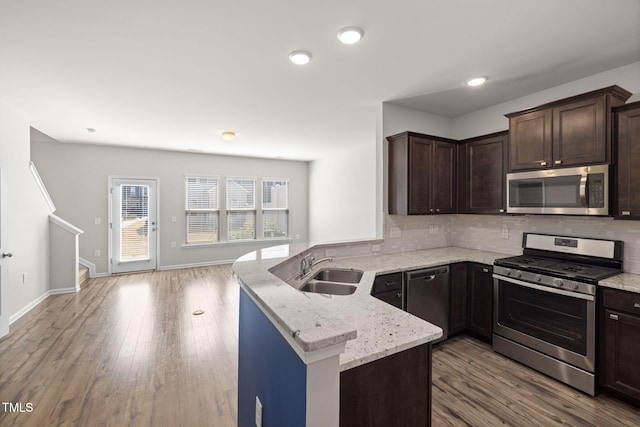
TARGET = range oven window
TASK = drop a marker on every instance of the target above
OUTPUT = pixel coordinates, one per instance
(553, 318)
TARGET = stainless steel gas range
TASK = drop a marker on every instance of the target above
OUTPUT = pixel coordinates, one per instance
(545, 304)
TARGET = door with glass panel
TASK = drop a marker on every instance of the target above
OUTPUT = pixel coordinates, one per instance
(133, 225)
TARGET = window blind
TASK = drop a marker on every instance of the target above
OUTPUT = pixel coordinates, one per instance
(202, 209)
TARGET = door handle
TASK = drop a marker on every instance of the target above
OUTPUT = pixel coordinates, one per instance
(7, 255)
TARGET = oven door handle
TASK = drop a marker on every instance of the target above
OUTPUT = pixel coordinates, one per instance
(545, 288)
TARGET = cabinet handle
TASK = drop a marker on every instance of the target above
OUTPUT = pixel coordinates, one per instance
(613, 316)
(636, 305)
(485, 270)
(625, 213)
(543, 163)
(437, 210)
(399, 295)
(558, 162)
(430, 278)
(501, 211)
(387, 284)
(431, 210)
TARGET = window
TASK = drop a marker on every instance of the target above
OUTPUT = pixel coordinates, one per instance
(275, 208)
(203, 209)
(241, 208)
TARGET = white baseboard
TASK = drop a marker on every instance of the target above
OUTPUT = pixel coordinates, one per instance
(38, 300)
(91, 266)
(196, 264)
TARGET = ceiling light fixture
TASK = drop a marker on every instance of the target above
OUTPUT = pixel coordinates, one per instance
(300, 57)
(91, 130)
(228, 135)
(350, 35)
(477, 81)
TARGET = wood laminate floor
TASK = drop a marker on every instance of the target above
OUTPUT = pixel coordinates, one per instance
(127, 350)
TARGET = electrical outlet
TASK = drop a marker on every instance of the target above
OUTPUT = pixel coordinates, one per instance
(96, 252)
(173, 244)
(97, 221)
(505, 233)
(395, 232)
(331, 252)
(174, 218)
(258, 412)
(375, 248)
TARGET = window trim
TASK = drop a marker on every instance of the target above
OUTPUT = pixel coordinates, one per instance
(200, 210)
(223, 213)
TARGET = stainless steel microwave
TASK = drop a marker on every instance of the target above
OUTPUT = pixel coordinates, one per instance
(580, 190)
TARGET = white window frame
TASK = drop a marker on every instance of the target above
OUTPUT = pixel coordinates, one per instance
(251, 209)
(189, 210)
(265, 210)
(224, 212)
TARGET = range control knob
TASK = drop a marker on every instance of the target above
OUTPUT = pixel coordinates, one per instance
(574, 286)
(558, 282)
(518, 274)
(538, 278)
(508, 272)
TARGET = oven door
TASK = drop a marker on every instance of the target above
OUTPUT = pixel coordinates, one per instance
(558, 323)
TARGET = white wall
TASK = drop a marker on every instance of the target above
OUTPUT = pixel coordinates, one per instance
(26, 226)
(397, 119)
(342, 188)
(77, 175)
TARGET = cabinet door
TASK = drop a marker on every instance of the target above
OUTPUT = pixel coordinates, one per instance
(530, 140)
(485, 162)
(627, 134)
(444, 178)
(579, 133)
(621, 349)
(480, 291)
(420, 161)
(458, 299)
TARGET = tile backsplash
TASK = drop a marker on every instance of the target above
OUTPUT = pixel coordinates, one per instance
(487, 232)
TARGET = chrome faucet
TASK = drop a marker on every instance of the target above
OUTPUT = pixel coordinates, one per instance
(308, 262)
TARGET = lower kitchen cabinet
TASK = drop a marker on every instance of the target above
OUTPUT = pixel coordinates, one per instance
(392, 391)
(458, 299)
(620, 344)
(388, 288)
(480, 300)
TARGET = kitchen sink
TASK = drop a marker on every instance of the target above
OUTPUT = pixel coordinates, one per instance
(341, 275)
(324, 287)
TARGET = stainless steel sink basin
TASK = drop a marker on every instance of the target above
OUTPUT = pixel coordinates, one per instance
(324, 287)
(341, 275)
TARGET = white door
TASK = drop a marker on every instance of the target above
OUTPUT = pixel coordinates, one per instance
(134, 225)
(4, 256)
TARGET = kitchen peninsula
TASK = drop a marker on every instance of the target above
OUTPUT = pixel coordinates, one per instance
(316, 359)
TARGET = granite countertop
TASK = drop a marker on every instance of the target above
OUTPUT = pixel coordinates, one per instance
(625, 282)
(372, 329)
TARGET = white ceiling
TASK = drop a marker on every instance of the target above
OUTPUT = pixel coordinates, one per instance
(174, 74)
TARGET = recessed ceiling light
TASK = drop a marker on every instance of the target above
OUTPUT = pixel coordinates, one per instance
(350, 35)
(477, 81)
(228, 135)
(300, 57)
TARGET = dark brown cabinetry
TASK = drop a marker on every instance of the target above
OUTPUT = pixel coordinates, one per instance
(480, 300)
(392, 391)
(481, 174)
(421, 174)
(458, 299)
(620, 344)
(627, 176)
(388, 288)
(569, 132)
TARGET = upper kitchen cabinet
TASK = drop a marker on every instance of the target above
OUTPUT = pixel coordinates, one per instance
(421, 174)
(627, 176)
(482, 165)
(570, 132)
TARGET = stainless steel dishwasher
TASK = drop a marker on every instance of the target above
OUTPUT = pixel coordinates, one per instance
(427, 296)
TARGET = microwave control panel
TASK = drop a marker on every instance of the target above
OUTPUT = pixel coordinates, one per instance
(596, 190)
